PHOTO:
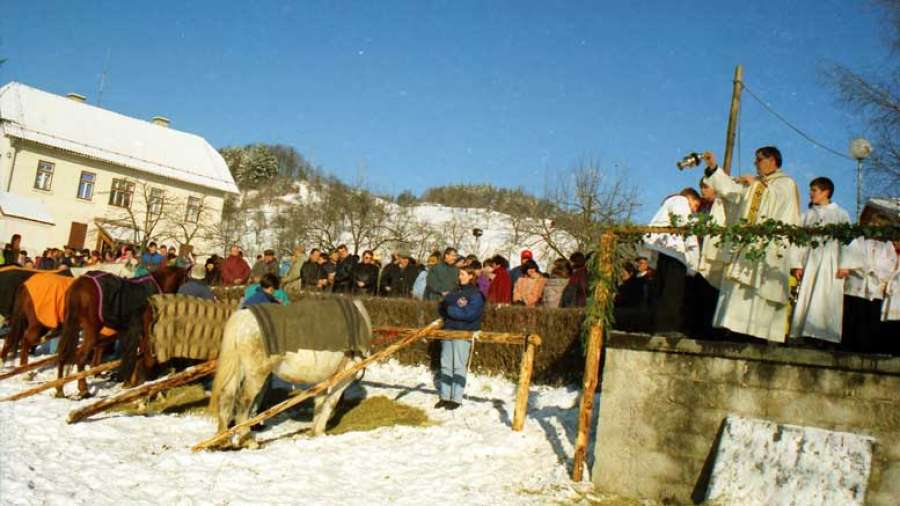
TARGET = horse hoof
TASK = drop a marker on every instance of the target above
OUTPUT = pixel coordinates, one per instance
(59, 394)
(84, 395)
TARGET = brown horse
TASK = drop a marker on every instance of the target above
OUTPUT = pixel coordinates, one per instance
(28, 323)
(99, 298)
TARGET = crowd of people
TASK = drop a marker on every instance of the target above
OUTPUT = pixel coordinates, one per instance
(827, 294)
(339, 271)
(150, 259)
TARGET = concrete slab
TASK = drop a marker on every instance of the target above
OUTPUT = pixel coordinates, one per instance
(765, 463)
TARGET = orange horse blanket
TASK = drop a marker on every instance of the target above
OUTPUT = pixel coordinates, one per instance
(48, 294)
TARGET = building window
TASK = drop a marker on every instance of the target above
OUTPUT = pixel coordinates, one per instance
(193, 210)
(44, 177)
(155, 201)
(86, 185)
(121, 193)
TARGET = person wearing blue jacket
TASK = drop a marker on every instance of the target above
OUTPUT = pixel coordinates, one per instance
(461, 309)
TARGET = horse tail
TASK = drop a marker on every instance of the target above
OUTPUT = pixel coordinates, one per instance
(229, 370)
(130, 339)
(68, 341)
(19, 322)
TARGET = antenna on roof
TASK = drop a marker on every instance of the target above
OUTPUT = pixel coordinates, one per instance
(103, 78)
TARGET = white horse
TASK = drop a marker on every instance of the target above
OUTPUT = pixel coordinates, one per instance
(244, 365)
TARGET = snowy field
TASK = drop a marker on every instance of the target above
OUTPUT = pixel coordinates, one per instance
(468, 456)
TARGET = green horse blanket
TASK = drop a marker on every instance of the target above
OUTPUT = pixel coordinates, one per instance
(309, 324)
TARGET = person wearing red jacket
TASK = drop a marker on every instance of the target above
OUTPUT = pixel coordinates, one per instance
(235, 270)
(500, 291)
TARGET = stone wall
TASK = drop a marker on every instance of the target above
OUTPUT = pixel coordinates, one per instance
(663, 402)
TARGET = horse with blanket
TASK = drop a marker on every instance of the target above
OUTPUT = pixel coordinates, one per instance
(12, 306)
(99, 299)
(11, 278)
(304, 342)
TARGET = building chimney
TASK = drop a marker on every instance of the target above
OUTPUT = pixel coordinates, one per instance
(161, 121)
(76, 97)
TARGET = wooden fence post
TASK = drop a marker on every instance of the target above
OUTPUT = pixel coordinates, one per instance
(592, 360)
(527, 366)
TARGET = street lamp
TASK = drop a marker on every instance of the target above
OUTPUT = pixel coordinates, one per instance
(860, 149)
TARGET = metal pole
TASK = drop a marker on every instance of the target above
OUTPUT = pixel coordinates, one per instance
(859, 183)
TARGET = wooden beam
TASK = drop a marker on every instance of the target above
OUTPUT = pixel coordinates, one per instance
(62, 381)
(524, 382)
(592, 359)
(319, 387)
(390, 334)
(47, 361)
(171, 381)
(733, 117)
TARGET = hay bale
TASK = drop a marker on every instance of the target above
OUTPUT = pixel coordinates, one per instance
(187, 327)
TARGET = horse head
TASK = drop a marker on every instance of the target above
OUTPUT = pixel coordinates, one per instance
(170, 278)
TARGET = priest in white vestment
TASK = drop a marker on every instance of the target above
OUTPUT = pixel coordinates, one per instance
(820, 303)
(754, 295)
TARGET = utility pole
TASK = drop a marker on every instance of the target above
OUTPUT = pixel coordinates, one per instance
(733, 117)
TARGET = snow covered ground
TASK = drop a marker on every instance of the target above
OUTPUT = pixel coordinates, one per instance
(469, 456)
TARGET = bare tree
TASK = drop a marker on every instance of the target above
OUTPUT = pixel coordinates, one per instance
(578, 206)
(876, 98)
(190, 219)
(141, 207)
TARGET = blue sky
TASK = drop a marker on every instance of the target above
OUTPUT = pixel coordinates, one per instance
(409, 95)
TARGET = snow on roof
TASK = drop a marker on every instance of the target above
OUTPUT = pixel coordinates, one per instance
(42, 117)
(24, 207)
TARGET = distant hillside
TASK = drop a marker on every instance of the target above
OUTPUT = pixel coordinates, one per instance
(484, 196)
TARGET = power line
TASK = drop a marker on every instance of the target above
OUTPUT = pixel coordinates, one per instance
(794, 128)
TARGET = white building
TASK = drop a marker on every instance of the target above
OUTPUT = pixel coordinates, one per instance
(72, 174)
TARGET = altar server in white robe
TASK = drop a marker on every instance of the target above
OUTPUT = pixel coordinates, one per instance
(678, 257)
(871, 264)
(820, 301)
(710, 267)
(890, 309)
(753, 298)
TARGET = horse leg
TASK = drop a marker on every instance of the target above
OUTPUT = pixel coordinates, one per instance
(247, 402)
(32, 337)
(327, 401)
(91, 336)
(146, 362)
